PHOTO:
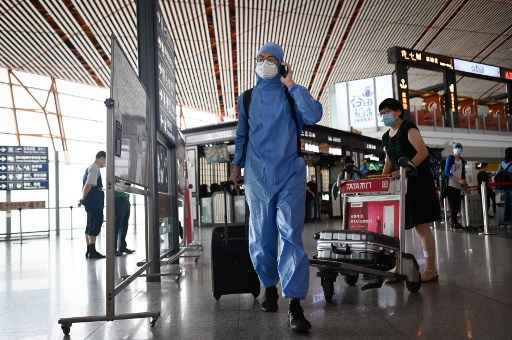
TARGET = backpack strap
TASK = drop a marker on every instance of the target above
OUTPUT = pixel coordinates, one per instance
(295, 118)
(247, 96)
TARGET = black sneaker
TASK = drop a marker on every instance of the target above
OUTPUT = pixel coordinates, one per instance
(270, 303)
(127, 251)
(119, 253)
(96, 255)
(297, 321)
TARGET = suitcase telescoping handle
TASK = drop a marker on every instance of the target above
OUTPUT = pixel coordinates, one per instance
(341, 251)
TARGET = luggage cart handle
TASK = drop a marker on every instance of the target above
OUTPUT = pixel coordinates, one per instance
(339, 251)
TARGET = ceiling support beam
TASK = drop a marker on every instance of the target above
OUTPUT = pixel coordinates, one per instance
(454, 14)
(234, 48)
(87, 30)
(66, 40)
(332, 24)
(60, 121)
(9, 72)
(341, 44)
(38, 104)
(431, 24)
(208, 5)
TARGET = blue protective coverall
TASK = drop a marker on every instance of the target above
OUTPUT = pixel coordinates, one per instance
(275, 179)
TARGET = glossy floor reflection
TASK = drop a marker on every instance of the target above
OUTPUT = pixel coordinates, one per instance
(43, 280)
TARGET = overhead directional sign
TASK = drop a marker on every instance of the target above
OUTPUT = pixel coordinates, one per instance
(23, 167)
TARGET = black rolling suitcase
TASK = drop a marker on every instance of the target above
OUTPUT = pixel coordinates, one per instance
(232, 269)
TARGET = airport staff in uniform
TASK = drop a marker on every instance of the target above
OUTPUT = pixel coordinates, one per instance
(122, 209)
(275, 179)
(93, 199)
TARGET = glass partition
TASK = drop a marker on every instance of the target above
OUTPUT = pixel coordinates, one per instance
(482, 104)
(426, 92)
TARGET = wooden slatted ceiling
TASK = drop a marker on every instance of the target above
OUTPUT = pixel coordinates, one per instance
(70, 39)
(28, 43)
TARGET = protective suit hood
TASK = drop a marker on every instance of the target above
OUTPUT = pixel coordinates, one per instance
(277, 52)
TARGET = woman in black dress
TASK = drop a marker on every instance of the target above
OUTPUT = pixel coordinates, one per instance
(422, 207)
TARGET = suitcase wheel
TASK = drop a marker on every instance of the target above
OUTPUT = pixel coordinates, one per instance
(351, 280)
(328, 287)
(413, 287)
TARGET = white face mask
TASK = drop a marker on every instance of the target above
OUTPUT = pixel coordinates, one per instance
(266, 69)
(457, 152)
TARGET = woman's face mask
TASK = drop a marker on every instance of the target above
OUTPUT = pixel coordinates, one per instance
(457, 152)
(266, 69)
(388, 118)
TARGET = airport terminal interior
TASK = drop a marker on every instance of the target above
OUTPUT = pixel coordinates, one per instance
(167, 165)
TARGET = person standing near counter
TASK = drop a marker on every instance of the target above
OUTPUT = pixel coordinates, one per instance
(93, 200)
(455, 171)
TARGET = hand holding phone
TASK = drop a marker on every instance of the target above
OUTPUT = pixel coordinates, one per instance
(283, 70)
(286, 75)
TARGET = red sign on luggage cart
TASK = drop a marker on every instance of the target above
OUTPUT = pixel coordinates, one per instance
(378, 216)
(366, 185)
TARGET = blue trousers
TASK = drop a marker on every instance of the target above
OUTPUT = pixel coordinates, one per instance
(279, 215)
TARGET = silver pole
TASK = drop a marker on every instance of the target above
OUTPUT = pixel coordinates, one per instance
(466, 210)
(343, 205)
(134, 206)
(21, 227)
(57, 199)
(483, 191)
(401, 229)
(110, 265)
(8, 215)
(71, 220)
(445, 208)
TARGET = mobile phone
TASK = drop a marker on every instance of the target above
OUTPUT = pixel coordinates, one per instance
(283, 70)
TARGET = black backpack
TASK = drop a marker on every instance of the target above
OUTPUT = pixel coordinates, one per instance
(503, 178)
(247, 95)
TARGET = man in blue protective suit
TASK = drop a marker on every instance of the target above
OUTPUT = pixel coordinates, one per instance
(275, 179)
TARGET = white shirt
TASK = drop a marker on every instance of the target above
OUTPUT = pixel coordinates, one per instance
(456, 172)
(93, 173)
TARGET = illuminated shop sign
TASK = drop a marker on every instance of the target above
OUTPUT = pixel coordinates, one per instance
(371, 147)
(482, 69)
(452, 97)
(404, 94)
(308, 134)
(312, 147)
(334, 139)
(335, 151)
(399, 54)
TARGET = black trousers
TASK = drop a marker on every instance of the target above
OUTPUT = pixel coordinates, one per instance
(491, 196)
(454, 200)
(122, 218)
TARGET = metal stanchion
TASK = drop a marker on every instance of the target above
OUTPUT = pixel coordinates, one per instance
(466, 210)
(134, 205)
(445, 209)
(71, 220)
(21, 227)
(483, 191)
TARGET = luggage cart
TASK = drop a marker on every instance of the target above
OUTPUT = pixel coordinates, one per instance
(383, 192)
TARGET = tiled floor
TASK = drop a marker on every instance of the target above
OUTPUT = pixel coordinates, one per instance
(43, 280)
